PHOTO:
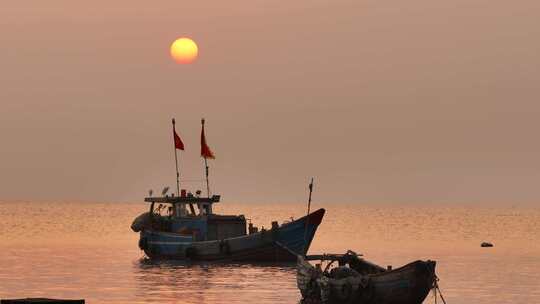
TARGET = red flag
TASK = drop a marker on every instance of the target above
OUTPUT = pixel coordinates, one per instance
(205, 150)
(178, 144)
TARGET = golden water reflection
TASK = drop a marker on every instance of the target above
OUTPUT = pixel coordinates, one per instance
(86, 250)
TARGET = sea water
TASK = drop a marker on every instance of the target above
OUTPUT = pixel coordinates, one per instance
(87, 250)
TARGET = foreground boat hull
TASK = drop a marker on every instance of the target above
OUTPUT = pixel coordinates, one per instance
(280, 244)
(409, 284)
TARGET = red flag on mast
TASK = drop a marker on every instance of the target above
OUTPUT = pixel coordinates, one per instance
(178, 144)
(205, 150)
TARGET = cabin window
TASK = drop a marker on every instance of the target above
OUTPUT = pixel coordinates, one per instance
(180, 210)
(163, 210)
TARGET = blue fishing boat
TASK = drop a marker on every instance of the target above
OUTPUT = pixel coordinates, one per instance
(175, 229)
(184, 226)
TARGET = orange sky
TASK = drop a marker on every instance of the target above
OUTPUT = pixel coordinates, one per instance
(381, 101)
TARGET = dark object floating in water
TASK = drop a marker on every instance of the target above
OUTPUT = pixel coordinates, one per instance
(40, 301)
(356, 280)
(486, 244)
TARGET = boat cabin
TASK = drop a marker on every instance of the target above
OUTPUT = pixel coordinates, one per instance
(192, 215)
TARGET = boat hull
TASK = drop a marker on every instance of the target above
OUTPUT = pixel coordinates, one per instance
(409, 284)
(279, 244)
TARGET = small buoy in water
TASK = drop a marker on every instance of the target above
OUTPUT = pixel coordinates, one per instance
(486, 244)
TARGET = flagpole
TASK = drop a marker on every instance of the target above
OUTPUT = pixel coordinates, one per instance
(207, 184)
(205, 164)
(176, 162)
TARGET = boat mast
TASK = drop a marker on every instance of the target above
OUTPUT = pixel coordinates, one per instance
(207, 184)
(205, 161)
(307, 216)
(176, 160)
(205, 153)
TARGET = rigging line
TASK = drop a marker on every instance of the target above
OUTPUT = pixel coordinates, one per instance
(439, 289)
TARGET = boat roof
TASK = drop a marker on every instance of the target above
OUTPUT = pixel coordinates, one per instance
(183, 199)
(329, 256)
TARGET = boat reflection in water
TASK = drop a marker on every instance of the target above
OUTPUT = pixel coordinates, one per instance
(171, 281)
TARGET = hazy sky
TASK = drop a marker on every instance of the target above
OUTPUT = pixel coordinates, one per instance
(381, 101)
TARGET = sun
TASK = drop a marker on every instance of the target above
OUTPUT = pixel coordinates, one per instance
(184, 50)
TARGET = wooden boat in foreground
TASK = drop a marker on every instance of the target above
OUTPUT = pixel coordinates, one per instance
(358, 281)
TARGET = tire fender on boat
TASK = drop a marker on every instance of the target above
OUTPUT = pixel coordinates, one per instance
(224, 247)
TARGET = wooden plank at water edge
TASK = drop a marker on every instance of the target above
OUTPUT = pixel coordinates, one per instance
(40, 301)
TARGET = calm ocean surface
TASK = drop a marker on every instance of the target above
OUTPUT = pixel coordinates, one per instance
(87, 250)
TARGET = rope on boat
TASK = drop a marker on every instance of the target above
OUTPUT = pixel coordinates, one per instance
(436, 288)
(286, 248)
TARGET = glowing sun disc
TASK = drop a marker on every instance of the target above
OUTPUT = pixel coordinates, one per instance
(184, 50)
